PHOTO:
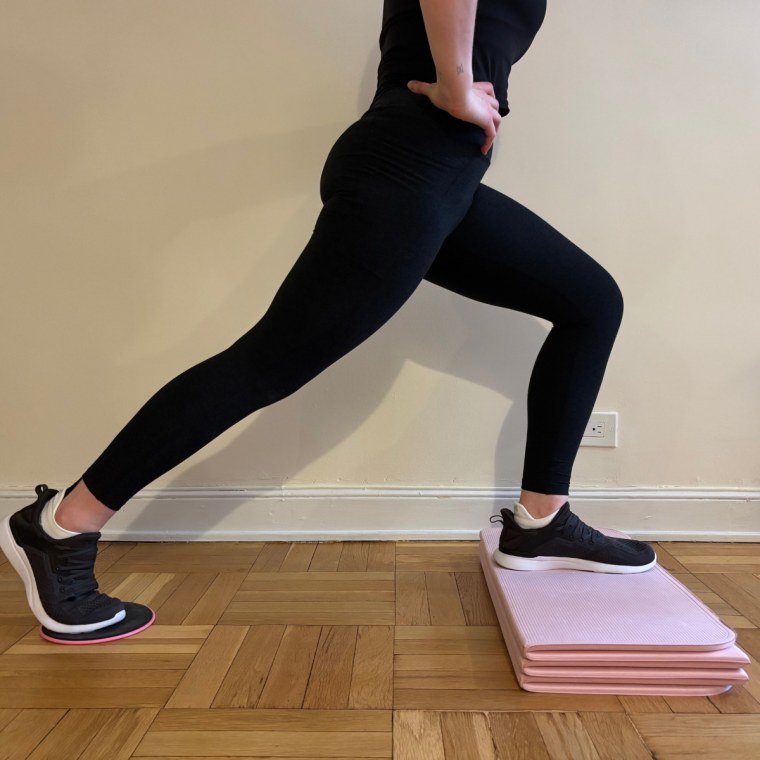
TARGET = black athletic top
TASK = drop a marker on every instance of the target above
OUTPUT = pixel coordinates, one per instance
(504, 30)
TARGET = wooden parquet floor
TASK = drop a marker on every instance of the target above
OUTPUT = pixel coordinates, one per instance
(343, 650)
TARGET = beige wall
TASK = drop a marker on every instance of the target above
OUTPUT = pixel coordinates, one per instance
(159, 163)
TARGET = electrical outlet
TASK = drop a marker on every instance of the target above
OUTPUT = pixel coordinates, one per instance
(601, 430)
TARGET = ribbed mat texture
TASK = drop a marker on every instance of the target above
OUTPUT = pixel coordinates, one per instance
(573, 631)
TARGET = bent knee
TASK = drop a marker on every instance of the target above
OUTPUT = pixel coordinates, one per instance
(614, 298)
(607, 303)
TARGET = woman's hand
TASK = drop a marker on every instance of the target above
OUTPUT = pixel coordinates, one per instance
(478, 105)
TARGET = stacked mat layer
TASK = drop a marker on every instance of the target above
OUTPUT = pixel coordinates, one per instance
(580, 632)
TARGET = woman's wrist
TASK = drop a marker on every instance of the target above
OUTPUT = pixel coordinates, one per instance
(455, 89)
(458, 78)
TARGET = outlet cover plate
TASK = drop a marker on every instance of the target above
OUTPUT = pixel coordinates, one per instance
(601, 430)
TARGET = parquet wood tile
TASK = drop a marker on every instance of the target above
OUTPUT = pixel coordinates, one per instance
(313, 598)
(111, 552)
(326, 557)
(739, 590)
(703, 736)
(343, 650)
(298, 558)
(189, 589)
(95, 734)
(444, 605)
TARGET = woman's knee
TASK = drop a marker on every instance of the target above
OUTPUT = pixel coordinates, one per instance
(616, 298)
(607, 302)
(595, 298)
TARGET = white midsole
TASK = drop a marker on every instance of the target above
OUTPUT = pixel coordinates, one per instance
(17, 557)
(565, 563)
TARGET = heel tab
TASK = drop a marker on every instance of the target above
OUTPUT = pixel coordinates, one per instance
(44, 492)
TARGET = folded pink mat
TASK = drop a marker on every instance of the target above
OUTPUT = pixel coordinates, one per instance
(571, 631)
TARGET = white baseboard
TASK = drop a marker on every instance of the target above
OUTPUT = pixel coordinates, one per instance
(408, 514)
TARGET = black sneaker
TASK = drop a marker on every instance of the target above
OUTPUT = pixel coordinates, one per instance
(58, 574)
(567, 543)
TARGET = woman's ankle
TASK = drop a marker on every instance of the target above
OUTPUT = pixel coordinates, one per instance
(540, 504)
(80, 511)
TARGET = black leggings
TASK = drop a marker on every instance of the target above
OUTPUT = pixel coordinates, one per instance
(403, 202)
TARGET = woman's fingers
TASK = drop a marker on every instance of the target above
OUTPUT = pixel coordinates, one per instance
(486, 87)
(420, 88)
(479, 106)
(493, 127)
(490, 131)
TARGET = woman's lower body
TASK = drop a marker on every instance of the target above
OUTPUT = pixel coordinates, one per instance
(403, 202)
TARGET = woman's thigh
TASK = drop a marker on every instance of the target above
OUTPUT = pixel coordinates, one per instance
(504, 254)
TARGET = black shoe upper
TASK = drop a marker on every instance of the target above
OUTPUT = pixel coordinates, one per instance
(568, 536)
(63, 569)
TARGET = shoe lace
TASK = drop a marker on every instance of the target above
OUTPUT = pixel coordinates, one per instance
(75, 570)
(574, 528)
(498, 519)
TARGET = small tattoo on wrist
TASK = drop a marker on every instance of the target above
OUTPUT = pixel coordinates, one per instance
(460, 69)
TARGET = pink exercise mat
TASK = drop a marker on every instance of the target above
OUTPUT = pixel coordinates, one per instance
(604, 633)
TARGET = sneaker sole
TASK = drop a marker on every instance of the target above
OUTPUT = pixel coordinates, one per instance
(512, 562)
(17, 557)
